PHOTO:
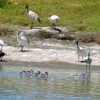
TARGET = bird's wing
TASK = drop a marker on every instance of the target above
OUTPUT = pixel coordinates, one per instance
(32, 14)
(2, 43)
(24, 40)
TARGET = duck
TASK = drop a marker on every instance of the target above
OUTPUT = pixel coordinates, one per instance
(2, 43)
(32, 16)
(22, 40)
(30, 72)
(80, 51)
(76, 77)
(24, 73)
(79, 77)
(37, 74)
(53, 19)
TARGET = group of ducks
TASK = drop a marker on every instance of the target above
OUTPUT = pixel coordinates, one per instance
(36, 74)
(46, 75)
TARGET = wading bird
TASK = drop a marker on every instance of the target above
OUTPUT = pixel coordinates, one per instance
(22, 40)
(80, 51)
(53, 19)
(1, 55)
(88, 60)
(2, 43)
(32, 16)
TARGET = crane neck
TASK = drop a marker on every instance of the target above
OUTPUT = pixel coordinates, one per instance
(78, 47)
(17, 34)
(27, 10)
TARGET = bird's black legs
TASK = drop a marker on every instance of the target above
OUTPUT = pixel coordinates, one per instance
(89, 67)
(53, 25)
(31, 25)
(78, 57)
(1, 48)
(82, 58)
(1, 58)
(21, 48)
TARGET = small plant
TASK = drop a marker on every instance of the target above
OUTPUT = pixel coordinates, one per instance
(44, 35)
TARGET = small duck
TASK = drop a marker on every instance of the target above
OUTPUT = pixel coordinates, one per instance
(30, 72)
(38, 74)
(24, 73)
(76, 77)
(44, 75)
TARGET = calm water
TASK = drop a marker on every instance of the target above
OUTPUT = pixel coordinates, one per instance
(59, 86)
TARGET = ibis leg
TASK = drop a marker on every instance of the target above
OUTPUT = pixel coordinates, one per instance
(31, 25)
(21, 48)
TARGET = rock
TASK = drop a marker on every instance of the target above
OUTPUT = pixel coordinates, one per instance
(37, 30)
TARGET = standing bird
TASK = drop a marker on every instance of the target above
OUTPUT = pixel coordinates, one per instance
(1, 55)
(2, 43)
(80, 51)
(88, 60)
(53, 19)
(22, 40)
(32, 16)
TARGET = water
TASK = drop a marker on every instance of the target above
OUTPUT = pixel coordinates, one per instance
(59, 86)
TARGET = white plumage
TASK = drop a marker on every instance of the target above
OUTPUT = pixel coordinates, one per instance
(2, 43)
(53, 19)
(32, 16)
(80, 51)
(88, 60)
(22, 40)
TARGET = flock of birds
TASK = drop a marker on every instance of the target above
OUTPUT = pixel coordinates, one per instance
(38, 74)
(35, 18)
(46, 75)
(22, 40)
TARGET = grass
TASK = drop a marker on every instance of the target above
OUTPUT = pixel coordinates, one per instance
(75, 15)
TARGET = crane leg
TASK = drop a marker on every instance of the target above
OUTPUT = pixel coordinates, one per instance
(21, 48)
(82, 58)
(78, 57)
(1, 48)
(1, 58)
(89, 67)
(31, 25)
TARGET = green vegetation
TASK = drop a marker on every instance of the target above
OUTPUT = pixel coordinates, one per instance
(75, 15)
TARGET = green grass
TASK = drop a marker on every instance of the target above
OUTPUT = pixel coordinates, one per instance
(75, 15)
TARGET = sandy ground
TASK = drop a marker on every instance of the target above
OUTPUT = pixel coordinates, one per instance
(55, 52)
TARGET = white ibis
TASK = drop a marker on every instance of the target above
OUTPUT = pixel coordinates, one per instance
(22, 40)
(80, 51)
(32, 16)
(53, 19)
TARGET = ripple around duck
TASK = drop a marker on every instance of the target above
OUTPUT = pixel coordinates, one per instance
(59, 86)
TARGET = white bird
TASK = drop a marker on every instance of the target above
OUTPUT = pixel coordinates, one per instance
(53, 19)
(2, 43)
(22, 40)
(32, 16)
(80, 51)
(88, 60)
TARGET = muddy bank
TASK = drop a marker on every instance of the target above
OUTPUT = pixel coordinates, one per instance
(47, 51)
